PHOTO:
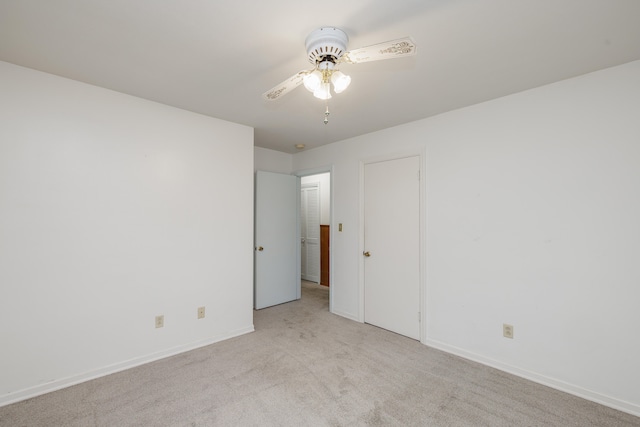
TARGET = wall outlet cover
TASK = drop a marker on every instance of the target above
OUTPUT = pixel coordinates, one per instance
(507, 330)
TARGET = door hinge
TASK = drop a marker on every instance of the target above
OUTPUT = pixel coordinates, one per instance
(419, 318)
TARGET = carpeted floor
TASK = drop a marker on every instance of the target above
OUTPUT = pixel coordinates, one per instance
(306, 367)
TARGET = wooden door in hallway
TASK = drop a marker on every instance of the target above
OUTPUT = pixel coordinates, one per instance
(325, 254)
(392, 245)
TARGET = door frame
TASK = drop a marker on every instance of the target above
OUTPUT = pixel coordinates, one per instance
(316, 171)
(421, 153)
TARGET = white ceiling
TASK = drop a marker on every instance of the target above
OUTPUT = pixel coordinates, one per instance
(217, 57)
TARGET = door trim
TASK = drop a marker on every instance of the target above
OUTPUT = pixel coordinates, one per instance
(422, 232)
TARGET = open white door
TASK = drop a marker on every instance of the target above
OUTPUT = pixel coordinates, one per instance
(277, 278)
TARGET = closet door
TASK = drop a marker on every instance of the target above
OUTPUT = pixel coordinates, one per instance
(310, 232)
(392, 245)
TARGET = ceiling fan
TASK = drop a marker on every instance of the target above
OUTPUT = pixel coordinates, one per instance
(326, 50)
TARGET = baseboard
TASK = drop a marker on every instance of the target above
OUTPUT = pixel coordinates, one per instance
(593, 396)
(117, 367)
(345, 314)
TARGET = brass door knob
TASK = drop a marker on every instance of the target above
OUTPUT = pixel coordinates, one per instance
(367, 254)
(260, 249)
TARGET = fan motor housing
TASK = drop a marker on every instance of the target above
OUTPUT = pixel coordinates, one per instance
(326, 44)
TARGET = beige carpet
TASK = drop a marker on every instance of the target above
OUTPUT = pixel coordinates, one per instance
(306, 367)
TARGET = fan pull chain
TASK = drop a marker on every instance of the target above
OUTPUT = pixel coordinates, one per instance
(326, 115)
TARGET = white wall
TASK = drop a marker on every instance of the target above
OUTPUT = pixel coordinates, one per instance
(532, 219)
(113, 210)
(272, 161)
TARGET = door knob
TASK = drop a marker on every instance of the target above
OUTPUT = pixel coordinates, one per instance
(260, 248)
(367, 254)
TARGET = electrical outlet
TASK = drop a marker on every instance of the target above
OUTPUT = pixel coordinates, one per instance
(159, 321)
(507, 330)
(200, 312)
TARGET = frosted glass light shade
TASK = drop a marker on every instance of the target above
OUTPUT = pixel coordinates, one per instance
(323, 91)
(312, 81)
(340, 81)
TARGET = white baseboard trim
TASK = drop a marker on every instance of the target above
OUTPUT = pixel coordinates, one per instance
(575, 390)
(345, 314)
(116, 367)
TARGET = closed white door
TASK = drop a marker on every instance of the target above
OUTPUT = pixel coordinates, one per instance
(277, 277)
(310, 232)
(392, 245)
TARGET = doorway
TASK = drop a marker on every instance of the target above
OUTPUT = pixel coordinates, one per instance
(315, 230)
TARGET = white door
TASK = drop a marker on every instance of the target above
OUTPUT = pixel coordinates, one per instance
(310, 232)
(277, 277)
(392, 245)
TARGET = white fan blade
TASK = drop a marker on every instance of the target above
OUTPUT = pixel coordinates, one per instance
(285, 87)
(387, 50)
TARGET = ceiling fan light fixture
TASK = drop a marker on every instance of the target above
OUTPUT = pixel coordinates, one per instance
(327, 50)
(340, 81)
(323, 92)
(312, 80)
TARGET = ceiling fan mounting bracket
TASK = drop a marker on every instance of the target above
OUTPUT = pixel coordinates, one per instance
(326, 44)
